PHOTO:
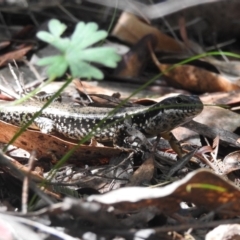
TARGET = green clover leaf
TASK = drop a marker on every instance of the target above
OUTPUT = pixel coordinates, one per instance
(56, 27)
(77, 52)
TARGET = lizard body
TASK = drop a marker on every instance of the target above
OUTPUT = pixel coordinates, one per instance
(76, 121)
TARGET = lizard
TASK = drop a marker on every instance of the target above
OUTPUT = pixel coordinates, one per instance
(76, 122)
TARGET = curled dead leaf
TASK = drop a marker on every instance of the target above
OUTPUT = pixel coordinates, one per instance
(43, 144)
(232, 162)
(16, 54)
(133, 62)
(197, 79)
(144, 173)
(201, 187)
(131, 29)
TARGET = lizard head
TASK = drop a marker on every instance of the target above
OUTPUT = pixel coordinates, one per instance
(172, 112)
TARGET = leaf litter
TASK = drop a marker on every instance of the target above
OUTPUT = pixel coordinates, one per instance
(129, 194)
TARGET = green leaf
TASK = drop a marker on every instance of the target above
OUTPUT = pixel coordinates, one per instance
(57, 65)
(85, 70)
(47, 60)
(45, 36)
(62, 44)
(86, 35)
(57, 69)
(56, 27)
(74, 53)
(104, 55)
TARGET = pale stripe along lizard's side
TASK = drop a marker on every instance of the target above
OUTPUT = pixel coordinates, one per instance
(76, 121)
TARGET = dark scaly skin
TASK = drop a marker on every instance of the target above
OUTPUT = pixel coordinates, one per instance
(76, 122)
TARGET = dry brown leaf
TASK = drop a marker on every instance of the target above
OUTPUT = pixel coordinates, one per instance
(133, 62)
(24, 169)
(16, 54)
(232, 162)
(227, 98)
(45, 144)
(188, 136)
(196, 79)
(219, 117)
(216, 194)
(4, 44)
(19, 171)
(5, 98)
(130, 29)
(90, 89)
(144, 173)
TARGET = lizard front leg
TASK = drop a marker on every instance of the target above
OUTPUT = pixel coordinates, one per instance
(129, 136)
(173, 143)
